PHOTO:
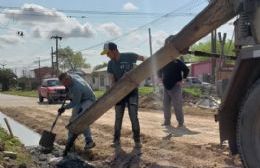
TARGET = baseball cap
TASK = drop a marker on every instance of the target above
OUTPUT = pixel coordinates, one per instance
(108, 46)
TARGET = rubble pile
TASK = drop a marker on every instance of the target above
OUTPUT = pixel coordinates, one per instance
(54, 159)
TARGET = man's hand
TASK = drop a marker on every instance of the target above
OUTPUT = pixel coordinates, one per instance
(61, 110)
(180, 83)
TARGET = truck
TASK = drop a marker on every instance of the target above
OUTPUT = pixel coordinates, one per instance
(52, 90)
(239, 114)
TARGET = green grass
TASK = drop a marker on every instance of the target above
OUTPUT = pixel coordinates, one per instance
(14, 145)
(30, 93)
(194, 91)
(142, 91)
(99, 93)
(145, 90)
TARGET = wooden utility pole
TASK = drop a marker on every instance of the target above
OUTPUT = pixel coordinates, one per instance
(199, 27)
(213, 60)
(57, 38)
(52, 63)
(39, 70)
(222, 42)
(151, 53)
(150, 42)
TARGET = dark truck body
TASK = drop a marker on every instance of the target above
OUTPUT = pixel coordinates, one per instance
(52, 90)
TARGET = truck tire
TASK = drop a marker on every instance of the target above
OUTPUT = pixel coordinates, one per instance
(50, 101)
(248, 128)
(40, 99)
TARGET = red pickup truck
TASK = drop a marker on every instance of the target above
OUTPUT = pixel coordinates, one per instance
(52, 90)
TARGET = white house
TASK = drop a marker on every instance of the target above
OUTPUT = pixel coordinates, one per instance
(100, 79)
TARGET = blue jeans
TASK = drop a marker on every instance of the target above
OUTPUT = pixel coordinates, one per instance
(131, 100)
(87, 132)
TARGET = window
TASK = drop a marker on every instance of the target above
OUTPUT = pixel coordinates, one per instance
(102, 80)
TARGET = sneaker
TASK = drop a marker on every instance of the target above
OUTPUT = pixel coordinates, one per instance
(115, 144)
(138, 145)
(89, 145)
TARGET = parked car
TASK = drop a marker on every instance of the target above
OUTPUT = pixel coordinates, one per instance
(52, 90)
(195, 81)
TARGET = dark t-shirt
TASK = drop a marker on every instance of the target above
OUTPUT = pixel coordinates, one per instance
(119, 67)
(172, 73)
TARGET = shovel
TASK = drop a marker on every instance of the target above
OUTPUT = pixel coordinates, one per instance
(48, 137)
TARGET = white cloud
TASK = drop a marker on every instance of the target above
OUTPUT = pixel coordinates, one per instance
(9, 39)
(158, 39)
(134, 37)
(129, 7)
(3, 20)
(33, 13)
(47, 22)
(110, 29)
(65, 30)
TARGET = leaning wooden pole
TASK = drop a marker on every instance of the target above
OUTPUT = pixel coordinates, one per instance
(214, 15)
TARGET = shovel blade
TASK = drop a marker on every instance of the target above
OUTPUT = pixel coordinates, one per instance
(47, 139)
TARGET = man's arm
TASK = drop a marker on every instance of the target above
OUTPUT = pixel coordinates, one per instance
(112, 79)
(185, 69)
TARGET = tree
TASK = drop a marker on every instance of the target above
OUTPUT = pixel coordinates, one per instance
(68, 59)
(206, 47)
(7, 79)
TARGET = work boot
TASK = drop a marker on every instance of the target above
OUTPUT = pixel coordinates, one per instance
(89, 145)
(166, 124)
(115, 144)
(138, 145)
(181, 126)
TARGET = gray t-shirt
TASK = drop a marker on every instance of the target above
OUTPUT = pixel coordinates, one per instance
(119, 67)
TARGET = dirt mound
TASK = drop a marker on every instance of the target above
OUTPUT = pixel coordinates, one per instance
(150, 101)
(155, 101)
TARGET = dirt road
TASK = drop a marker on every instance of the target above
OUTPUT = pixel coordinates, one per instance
(197, 145)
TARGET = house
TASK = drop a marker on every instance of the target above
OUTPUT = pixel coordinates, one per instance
(42, 73)
(202, 70)
(85, 73)
(100, 79)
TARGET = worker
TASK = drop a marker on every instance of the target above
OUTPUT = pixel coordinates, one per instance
(82, 97)
(172, 76)
(119, 64)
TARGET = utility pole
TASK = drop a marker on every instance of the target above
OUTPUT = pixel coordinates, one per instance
(39, 69)
(52, 62)
(151, 53)
(213, 50)
(57, 38)
(150, 42)
(222, 42)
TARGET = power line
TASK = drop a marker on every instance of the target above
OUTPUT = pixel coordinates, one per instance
(144, 26)
(89, 12)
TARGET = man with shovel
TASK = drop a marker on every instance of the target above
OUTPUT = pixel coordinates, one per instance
(82, 97)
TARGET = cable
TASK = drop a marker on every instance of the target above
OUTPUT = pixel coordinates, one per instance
(141, 27)
(89, 12)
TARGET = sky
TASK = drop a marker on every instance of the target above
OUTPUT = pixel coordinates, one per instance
(86, 25)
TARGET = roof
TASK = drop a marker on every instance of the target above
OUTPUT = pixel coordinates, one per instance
(101, 70)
